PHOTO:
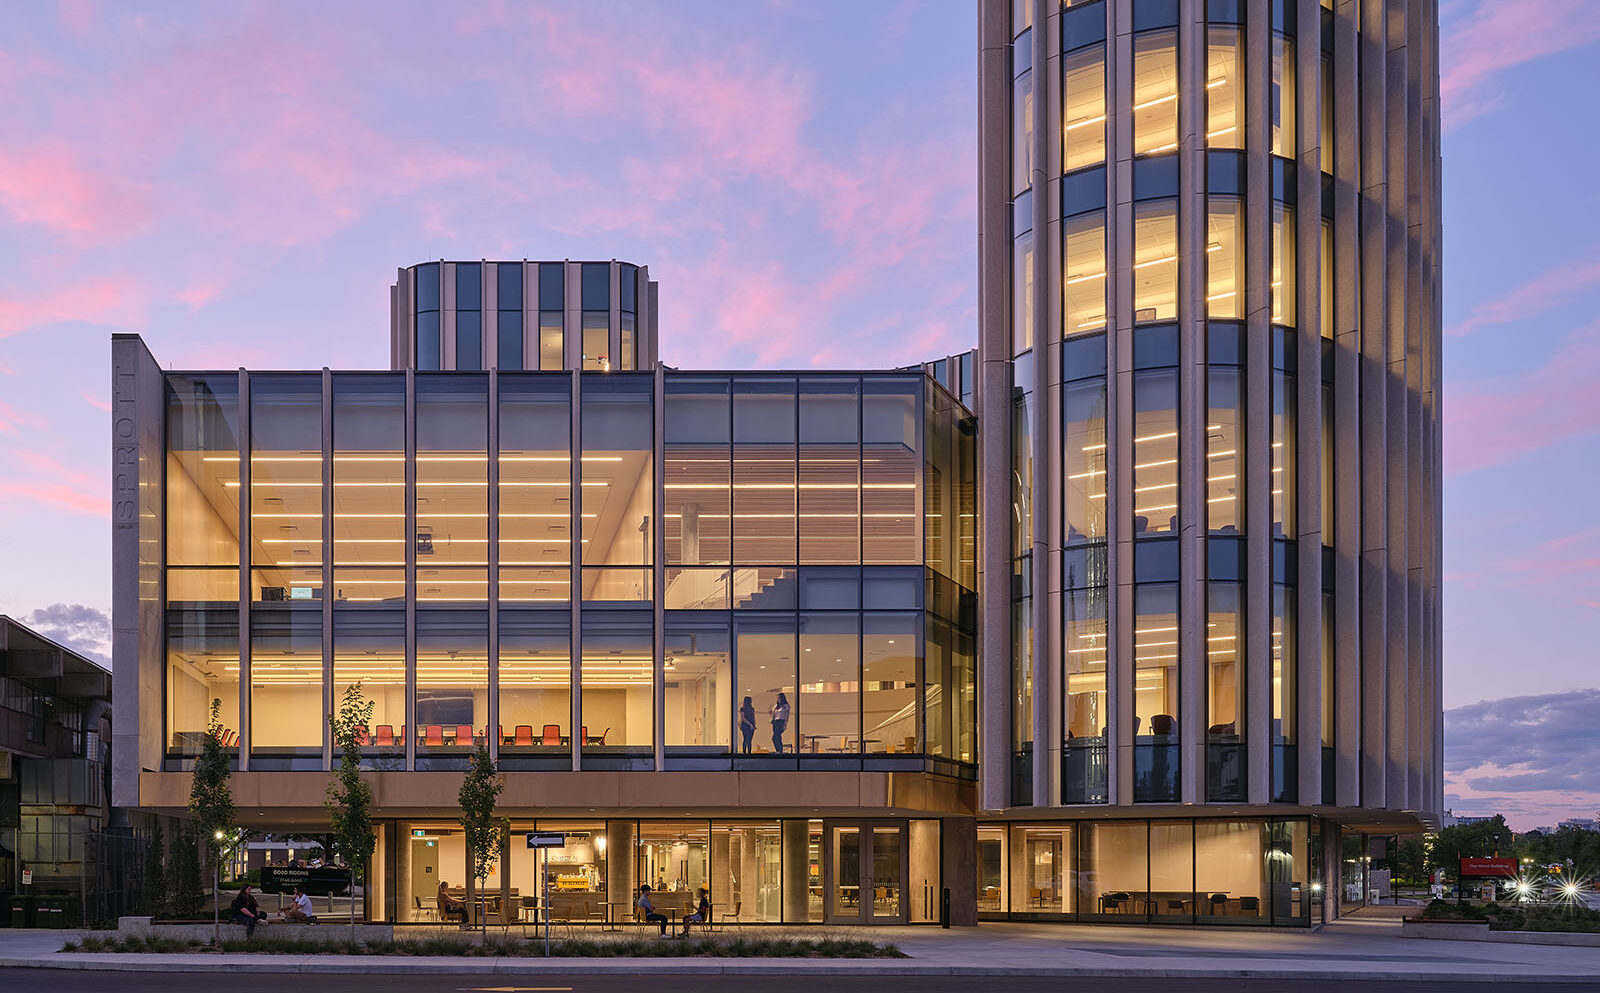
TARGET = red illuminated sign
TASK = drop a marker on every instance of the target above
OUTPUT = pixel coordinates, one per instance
(1489, 867)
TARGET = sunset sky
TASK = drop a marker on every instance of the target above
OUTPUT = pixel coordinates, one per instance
(239, 183)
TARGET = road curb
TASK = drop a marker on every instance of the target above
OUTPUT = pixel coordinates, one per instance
(404, 965)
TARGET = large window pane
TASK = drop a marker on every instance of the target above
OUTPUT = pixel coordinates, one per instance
(452, 498)
(746, 883)
(1155, 261)
(890, 662)
(508, 341)
(1171, 870)
(369, 647)
(764, 496)
(369, 488)
(1083, 405)
(889, 476)
(1326, 287)
(1041, 869)
(552, 342)
(1224, 259)
(1155, 692)
(1225, 693)
(617, 680)
(1022, 257)
(202, 667)
(1283, 97)
(1155, 92)
(1224, 429)
(829, 472)
(698, 427)
(1284, 405)
(596, 341)
(452, 686)
(1022, 132)
(1283, 281)
(1285, 696)
(616, 474)
(1224, 88)
(286, 487)
(286, 708)
(1229, 864)
(1155, 452)
(1086, 715)
(202, 490)
(535, 685)
(535, 489)
(1113, 867)
(1084, 277)
(767, 680)
(674, 861)
(830, 683)
(698, 690)
(1084, 108)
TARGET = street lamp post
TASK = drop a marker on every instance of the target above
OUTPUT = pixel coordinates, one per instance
(216, 891)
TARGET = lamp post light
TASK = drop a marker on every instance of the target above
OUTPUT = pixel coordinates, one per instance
(216, 890)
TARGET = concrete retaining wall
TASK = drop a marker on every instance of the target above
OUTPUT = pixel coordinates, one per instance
(1476, 931)
(330, 929)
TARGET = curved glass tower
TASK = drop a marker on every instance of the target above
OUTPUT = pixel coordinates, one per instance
(1210, 356)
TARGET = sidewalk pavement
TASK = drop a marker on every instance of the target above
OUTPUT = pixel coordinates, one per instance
(1346, 950)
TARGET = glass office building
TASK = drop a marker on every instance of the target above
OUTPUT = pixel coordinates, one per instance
(1209, 356)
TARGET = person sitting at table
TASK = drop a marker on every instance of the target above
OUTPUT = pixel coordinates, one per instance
(648, 909)
(448, 905)
(300, 908)
(702, 910)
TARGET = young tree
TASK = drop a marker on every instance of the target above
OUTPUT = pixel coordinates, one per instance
(188, 892)
(155, 873)
(482, 832)
(349, 797)
(211, 803)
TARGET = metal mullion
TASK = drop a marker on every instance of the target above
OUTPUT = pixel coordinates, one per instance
(658, 552)
(575, 567)
(245, 563)
(410, 727)
(328, 702)
(492, 729)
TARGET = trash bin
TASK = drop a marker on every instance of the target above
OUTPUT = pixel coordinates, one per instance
(21, 910)
(47, 911)
(5, 908)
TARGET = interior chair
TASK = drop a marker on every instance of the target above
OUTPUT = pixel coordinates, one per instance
(1219, 903)
(424, 910)
(434, 735)
(1162, 724)
(1250, 905)
(464, 734)
(1177, 906)
(551, 735)
(522, 734)
(361, 736)
(383, 736)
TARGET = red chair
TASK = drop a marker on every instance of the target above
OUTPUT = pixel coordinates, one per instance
(384, 736)
(434, 736)
(524, 734)
(595, 741)
(361, 737)
(463, 734)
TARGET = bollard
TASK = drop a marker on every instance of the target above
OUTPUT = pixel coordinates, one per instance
(944, 909)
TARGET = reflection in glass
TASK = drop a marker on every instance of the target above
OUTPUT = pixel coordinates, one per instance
(1155, 261)
(1084, 274)
(1224, 429)
(1283, 454)
(1224, 259)
(1155, 92)
(1021, 132)
(1083, 404)
(1283, 109)
(1155, 452)
(1171, 889)
(1225, 693)
(1224, 88)
(1086, 716)
(1040, 869)
(1084, 108)
(1285, 697)
(1283, 295)
(1155, 691)
(552, 349)
(1022, 293)
(1112, 868)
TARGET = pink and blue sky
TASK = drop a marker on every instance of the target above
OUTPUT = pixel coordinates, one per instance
(239, 182)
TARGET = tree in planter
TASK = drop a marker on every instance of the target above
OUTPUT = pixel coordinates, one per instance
(349, 797)
(155, 873)
(211, 803)
(187, 888)
(482, 831)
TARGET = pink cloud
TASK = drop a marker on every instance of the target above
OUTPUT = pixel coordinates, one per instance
(1495, 421)
(94, 401)
(48, 185)
(1497, 36)
(198, 296)
(103, 300)
(1535, 296)
(68, 488)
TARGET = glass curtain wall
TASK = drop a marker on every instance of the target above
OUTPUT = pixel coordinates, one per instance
(452, 496)
(617, 686)
(890, 471)
(595, 285)
(202, 555)
(535, 688)
(1155, 692)
(1224, 259)
(830, 463)
(1084, 275)
(1083, 129)
(1224, 461)
(764, 495)
(427, 304)
(1224, 88)
(1155, 452)
(286, 461)
(535, 463)
(1155, 92)
(552, 300)
(618, 488)
(369, 652)
(1225, 693)
(508, 325)
(469, 316)
(628, 306)
(697, 689)
(1084, 467)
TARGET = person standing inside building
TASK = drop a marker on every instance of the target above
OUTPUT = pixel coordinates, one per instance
(648, 909)
(747, 723)
(780, 721)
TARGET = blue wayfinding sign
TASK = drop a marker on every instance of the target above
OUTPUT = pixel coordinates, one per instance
(546, 839)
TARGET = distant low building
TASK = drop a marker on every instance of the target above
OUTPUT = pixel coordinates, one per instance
(1579, 824)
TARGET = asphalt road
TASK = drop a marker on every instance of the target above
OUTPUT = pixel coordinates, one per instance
(67, 981)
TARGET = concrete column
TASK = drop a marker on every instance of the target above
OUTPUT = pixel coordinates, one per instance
(575, 532)
(958, 857)
(796, 871)
(724, 852)
(492, 727)
(620, 858)
(410, 729)
(246, 583)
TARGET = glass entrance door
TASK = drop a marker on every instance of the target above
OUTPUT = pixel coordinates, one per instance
(865, 871)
